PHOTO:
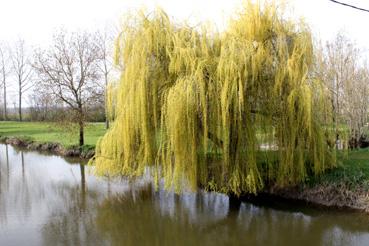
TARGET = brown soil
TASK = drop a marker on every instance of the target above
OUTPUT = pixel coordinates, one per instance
(329, 195)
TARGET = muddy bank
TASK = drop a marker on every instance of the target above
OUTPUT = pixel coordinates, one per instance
(320, 195)
(327, 195)
(84, 152)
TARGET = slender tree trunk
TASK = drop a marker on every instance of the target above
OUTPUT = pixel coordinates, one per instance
(106, 122)
(106, 98)
(81, 133)
(20, 103)
(337, 109)
(5, 111)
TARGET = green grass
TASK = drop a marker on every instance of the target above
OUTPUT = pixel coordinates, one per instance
(49, 132)
(352, 171)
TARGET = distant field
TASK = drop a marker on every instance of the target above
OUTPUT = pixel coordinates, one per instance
(49, 132)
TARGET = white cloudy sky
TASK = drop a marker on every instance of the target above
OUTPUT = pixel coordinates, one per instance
(36, 20)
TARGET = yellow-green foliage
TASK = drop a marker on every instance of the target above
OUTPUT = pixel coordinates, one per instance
(111, 98)
(243, 95)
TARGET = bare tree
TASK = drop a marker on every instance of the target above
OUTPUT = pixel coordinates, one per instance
(68, 69)
(22, 70)
(104, 41)
(5, 70)
(345, 75)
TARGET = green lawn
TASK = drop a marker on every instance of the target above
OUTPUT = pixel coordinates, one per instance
(49, 132)
(352, 171)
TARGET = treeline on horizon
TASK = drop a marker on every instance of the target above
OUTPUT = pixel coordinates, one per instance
(51, 112)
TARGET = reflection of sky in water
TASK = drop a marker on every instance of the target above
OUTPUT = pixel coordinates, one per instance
(44, 201)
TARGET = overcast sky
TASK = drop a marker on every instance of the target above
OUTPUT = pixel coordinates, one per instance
(36, 20)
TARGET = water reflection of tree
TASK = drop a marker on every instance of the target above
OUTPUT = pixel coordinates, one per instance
(18, 196)
(146, 217)
(4, 174)
(72, 223)
(4, 185)
(25, 193)
(131, 220)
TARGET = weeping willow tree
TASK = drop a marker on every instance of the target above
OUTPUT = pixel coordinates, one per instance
(187, 95)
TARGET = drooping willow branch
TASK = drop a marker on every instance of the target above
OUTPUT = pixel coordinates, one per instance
(247, 91)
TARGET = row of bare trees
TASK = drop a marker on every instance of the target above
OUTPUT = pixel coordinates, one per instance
(15, 69)
(342, 67)
(70, 76)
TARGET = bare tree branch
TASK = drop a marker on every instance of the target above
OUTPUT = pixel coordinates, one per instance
(69, 70)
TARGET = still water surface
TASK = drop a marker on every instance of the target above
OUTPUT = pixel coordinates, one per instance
(46, 200)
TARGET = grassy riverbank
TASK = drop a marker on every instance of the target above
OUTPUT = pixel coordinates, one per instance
(51, 138)
(352, 171)
(346, 186)
(50, 133)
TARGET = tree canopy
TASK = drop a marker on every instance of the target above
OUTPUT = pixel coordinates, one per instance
(232, 112)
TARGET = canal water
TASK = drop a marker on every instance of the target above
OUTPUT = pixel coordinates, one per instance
(48, 200)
